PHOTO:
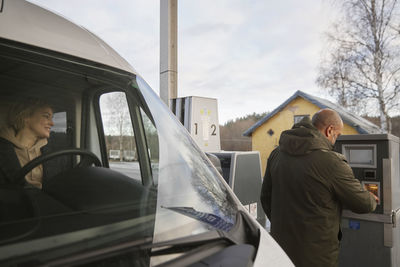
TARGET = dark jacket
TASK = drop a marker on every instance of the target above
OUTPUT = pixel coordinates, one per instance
(305, 187)
(9, 163)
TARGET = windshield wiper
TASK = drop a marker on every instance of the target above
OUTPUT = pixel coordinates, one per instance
(241, 232)
(208, 218)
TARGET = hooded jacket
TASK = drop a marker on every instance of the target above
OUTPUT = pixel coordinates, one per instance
(25, 155)
(13, 156)
(305, 187)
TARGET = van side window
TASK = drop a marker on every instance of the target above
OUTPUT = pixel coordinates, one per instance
(119, 134)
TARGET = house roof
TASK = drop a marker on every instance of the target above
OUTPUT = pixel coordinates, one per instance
(362, 125)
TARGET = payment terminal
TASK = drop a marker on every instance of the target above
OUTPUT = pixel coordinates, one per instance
(372, 239)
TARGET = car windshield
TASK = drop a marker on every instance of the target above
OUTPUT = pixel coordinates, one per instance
(112, 163)
(186, 179)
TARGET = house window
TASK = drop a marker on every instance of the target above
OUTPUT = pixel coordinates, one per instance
(298, 118)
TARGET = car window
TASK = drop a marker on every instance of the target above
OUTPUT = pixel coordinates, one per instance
(119, 134)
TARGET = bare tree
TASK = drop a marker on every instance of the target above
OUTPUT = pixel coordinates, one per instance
(362, 66)
(116, 117)
(232, 138)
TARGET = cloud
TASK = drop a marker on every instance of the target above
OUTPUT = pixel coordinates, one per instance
(251, 55)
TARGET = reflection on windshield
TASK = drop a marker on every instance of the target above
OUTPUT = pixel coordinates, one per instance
(207, 218)
(186, 178)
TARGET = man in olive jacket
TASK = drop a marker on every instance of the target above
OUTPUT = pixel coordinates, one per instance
(305, 187)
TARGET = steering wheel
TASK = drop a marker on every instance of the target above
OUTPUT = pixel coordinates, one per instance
(88, 158)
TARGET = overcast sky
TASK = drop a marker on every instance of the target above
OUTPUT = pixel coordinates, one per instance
(251, 55)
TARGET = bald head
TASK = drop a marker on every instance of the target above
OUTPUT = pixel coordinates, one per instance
(325, 117)
(329, 123)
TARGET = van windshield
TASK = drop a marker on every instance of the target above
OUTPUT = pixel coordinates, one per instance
(189, 191)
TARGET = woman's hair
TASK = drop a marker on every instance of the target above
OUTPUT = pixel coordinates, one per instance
(23, 109)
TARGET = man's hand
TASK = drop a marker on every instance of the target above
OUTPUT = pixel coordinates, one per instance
(376, 198)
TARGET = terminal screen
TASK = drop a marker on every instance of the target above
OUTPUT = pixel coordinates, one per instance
(360, 156)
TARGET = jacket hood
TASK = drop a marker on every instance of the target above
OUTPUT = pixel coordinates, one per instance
(9, 134)
(302, 139)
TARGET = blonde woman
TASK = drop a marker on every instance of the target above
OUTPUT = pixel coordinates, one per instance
(24, 138)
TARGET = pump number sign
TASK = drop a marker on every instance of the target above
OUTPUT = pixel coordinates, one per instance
(204, 126)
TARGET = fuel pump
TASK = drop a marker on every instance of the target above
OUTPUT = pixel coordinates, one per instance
(372, 239)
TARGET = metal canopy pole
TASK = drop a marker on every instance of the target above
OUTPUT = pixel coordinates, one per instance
(168, 50)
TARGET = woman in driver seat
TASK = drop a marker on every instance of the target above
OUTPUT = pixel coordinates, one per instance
(23, 139)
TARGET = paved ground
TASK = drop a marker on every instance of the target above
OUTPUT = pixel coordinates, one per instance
(131, 169)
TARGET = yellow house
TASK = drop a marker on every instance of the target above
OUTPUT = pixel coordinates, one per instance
(266, 132)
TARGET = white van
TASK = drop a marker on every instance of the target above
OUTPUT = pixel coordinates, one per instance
(169, 208)
(114, 154)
